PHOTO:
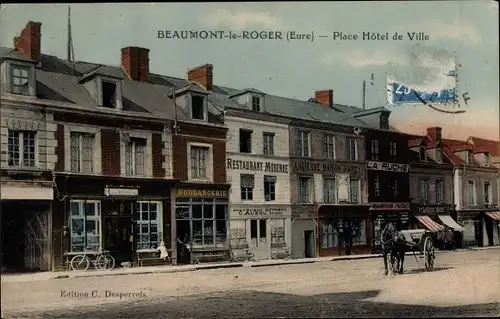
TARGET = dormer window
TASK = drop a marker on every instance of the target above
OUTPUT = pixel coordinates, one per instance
(470, 158)
(197, 107)
(20, 78)
(423, 154)
(487, 159)
(384, 122)
(109, 91)
(256, 103)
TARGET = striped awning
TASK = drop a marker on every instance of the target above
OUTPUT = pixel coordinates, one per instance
(450, 222)
(430, 224)
(494, 215)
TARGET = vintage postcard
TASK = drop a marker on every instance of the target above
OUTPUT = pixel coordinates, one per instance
(252, 160)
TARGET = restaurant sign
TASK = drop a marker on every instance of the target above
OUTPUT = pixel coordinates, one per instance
(188, 192)
(305, 166)
(255, 166)
(390, 206)
(388, 167)
(434, 209)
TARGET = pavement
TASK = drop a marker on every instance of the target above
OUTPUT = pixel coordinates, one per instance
(204, 266)
(463, 284)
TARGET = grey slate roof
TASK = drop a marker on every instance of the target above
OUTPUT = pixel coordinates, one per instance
(59, 80)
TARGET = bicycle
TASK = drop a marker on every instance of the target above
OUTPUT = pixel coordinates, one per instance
(103, 261)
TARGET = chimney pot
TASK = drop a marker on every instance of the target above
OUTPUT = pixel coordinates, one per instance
(324, 97)
(28, 43)
(135, 62)
(434, 133)
(202, 75)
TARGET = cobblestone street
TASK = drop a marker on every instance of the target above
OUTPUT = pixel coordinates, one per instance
(463, 284)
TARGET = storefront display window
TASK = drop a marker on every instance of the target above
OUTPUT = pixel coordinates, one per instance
(358, 227)
(329, 233)
(85, 234)
(277, 231)
(148, 225)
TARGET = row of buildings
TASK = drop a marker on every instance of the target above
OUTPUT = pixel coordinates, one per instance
(117, 157)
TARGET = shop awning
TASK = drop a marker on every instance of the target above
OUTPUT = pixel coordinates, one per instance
(450, 222)
(430, 224)
(494, 215)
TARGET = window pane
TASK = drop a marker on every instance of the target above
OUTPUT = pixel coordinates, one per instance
(262, 228)
(221, 231)
(208, 211)
(75, 208)
(208, 232)
(197, 211)
(253, 228)
(197, 232)
(77, 226)
(220, 211)
(90, 209)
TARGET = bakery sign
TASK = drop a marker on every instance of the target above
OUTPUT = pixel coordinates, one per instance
(387, 167)
(305, 166)
(389, 206)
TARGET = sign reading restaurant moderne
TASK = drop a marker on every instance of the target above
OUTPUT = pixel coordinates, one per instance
(256, 166)
(388, 167)
(304, 166)
(188, 192)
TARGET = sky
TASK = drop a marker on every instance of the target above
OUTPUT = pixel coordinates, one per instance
(460, 33)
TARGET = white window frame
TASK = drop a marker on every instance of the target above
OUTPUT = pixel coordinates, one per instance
(198, 154)
(329, 190)
(268, 143)
(132, 145)
(376, 186)
(329, 146)
(375, 152)
(259, 240)
(423, 199)
(302, 197)
(80, 136)
(349, 140)
(303, 140)
(252, 104)
(393, 146)
(474, 193)
(204, 106)
(29, 70)
(489, 202)
(96, 218)
(357, 182)
(210, 162)
(20, 148)
(246, 189)
(144, 238)
(271, 185)
(439, 182)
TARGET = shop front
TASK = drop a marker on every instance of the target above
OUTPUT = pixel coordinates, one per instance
(491, 228)
(304, 234)
(438, 219)
(343, 229)
(124, 216)
(200, 232)
(264, 229)
(26, 213)
(383, 213)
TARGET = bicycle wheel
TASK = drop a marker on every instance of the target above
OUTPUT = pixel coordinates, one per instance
(80, 263)
(105, 261)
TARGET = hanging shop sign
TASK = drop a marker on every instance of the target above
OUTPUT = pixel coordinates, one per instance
(116, 191)
(189, 192)
(311, 167)
(390, 206)
(434, 209)
(387, 167)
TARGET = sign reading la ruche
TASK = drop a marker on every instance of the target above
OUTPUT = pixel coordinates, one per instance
(388, 167)
(305, 166)
(189, 192)
(256, 166)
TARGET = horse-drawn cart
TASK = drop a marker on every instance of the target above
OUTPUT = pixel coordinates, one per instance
(415, 241)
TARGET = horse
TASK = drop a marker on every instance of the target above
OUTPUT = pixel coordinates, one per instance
(393, 244)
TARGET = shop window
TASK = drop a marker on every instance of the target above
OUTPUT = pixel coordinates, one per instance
(21, 148)
(84, 225)
(258, 232)
(247, 186)
(82, 152)
(358, 228)
(238, 233)
(277, 231)
(209, 223)
(270, 188)
(135, 157)
(148, 226)
(329, 233)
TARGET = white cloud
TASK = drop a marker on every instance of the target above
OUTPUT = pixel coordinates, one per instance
(363, 58)
(241, 19)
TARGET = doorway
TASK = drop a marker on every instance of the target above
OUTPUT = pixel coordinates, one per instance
(118, 238)
(183, 240)
(309, 251)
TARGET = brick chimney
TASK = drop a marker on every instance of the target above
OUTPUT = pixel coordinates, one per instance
(202, 75)
(434, 133)
(28, 43)
(135, 62)
(324, 97)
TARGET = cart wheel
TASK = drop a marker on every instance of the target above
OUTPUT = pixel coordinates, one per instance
(429, 254)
